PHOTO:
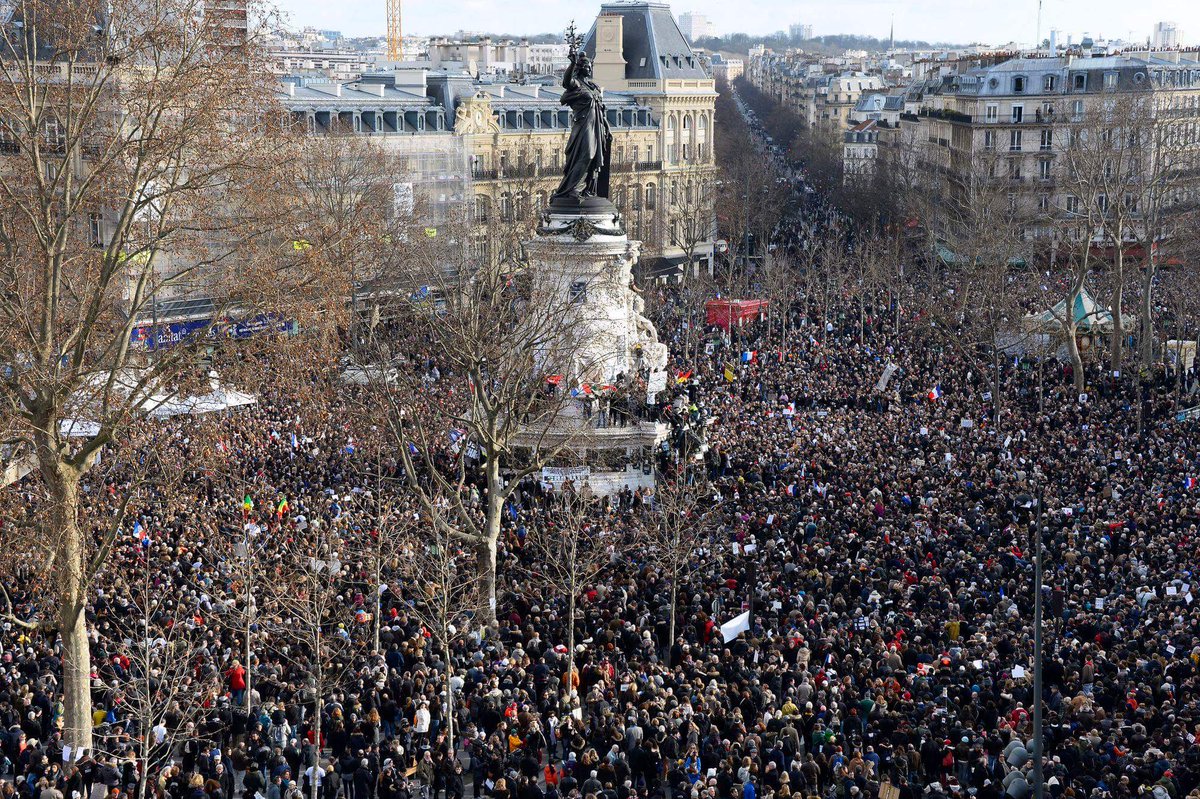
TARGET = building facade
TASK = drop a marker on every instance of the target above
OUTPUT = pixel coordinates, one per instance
(502, 143)
(1009, 125)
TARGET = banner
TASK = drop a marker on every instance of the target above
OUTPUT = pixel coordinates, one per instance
(886, 377)
(556, 476)
(735, 626)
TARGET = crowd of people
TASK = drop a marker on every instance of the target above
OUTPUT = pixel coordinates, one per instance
(256, 635)
(870, 534)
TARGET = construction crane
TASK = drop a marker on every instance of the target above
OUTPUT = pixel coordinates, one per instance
(394, 36)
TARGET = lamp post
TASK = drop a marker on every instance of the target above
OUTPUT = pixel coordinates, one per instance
(1024, 507)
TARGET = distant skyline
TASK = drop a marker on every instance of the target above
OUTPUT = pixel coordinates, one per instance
(960, 21)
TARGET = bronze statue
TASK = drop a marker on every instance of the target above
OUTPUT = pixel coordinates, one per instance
(585, 172)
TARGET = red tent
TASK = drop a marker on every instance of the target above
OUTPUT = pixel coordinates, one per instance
(728, 313)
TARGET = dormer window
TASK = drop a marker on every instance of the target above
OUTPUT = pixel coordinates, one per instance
(1048, 84)
(1080, 82)
(1018, 85)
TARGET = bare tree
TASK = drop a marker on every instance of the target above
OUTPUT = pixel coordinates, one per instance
(127, 181)
(677, 530)
(483, 341)
(567, 550)
(692, 219)
(311, 624)
(441, 585)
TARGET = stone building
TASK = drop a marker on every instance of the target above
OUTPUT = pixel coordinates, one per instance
(506, 139)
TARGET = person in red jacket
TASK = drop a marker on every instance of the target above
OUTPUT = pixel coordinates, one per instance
(236, 674)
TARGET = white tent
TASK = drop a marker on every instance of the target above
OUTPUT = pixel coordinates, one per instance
(1090, 316)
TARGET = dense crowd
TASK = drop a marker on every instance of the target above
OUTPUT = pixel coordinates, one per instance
(870, 534)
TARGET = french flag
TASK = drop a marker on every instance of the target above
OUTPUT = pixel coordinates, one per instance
(1189, 483)
(935, 393)
(139, 532)
(748, 356)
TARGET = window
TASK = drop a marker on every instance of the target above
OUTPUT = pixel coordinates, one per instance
(1131, 203)
(1079, 82)
(1110, 80)
(1072, 204)
(1048, 83)
(1014, 141)
(651, 196)
(577, 294)
(992, 113)
(1018, 113)
(1043, 170)
(1014, 170)
(1044, 203)
(989, 140)
(95, 230)
(1047, 139)
(1018, 85)
(1077, 110)
(1102, 203)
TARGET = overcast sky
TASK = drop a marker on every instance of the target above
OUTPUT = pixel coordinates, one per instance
(933, 20)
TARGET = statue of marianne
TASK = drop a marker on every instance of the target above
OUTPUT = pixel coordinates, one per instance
(585, 172)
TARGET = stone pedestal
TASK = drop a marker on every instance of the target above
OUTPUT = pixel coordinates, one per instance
(582, 263)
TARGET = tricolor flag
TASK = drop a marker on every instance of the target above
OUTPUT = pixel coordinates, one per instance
(247, 504)
(141, 535)
(935, 393)
(349, 446)
(1189, 483)
(295, 441)
(456, 435)
(683, 377)
(748, 356)
(282, 508)
(813, 340)
(554, 380)
(412, 449)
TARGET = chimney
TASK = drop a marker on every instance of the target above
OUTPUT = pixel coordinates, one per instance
(609, 63)
(291, 89)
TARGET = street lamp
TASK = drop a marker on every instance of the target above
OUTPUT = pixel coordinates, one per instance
(1024, 508)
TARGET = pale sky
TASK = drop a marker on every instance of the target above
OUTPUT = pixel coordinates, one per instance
(933, 20)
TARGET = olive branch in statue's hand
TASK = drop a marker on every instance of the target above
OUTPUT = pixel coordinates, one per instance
(574, 41)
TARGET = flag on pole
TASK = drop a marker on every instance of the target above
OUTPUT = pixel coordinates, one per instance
(748, 356)
(412, 449)
(282, 508)
(935, 393)
(139, 532)
(735, 626)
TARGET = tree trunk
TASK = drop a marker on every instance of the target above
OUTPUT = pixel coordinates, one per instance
(486, 550)
(72, 624)
(1117, 339)
(569, 677)
(449, 701)
(1147, 320)
(671, 626)
(313, 789)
